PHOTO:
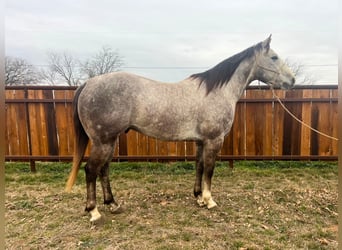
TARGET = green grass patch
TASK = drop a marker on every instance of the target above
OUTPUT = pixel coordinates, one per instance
(262, 205)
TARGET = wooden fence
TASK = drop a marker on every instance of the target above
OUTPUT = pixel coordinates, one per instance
(39, 127)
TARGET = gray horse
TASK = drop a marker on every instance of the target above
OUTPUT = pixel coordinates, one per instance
(200, 108)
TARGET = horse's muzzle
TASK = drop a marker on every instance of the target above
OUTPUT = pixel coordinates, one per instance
(289, 85)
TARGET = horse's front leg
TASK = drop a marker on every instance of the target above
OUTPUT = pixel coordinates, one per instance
(210, 150)
(199, 169)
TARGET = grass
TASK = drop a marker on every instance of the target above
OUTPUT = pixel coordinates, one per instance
(262, 205)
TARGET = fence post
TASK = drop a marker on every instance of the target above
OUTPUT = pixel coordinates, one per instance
(231, 164)
(33, 166)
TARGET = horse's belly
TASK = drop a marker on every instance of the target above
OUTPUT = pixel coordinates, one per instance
(168, 131)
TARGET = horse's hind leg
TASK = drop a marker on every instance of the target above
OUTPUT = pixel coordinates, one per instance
(98, 158)
(108, 197)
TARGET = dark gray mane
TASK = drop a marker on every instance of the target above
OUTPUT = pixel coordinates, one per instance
(222, 72)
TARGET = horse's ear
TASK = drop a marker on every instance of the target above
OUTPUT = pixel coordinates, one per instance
(266, 43)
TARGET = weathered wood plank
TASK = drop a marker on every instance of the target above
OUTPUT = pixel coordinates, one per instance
(322, 117)
(334, 119)
(306, 118)
(35, 125)
(132, 142)
(278, 124)
(51, 128)
(259, 124)
(238, 130)
(62, 124)
(292, 128)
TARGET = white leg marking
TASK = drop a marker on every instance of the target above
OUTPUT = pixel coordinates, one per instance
(208, 200)
(200, 201)
(211, 203)
(95, 215)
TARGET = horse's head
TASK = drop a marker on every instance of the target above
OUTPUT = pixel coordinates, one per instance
(271, 69)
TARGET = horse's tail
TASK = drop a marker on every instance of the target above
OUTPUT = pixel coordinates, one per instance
(80, 144)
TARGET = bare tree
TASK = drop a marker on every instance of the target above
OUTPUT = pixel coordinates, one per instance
(103, 62)
(19, 72)
(62, 67)
(48, 76)
(70, 70)
(298, 70)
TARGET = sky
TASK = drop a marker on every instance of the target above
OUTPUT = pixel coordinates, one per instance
(170, 40)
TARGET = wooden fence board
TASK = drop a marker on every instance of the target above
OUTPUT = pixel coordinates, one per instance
(35, 134)
(152, 146)
(13, 128)
(251, 117)
(10, 124)
(132, 143)
(50, 118)
(122, 144)
(238, 130)
(278, 125)
(190, 149)
(268, 129)
(306, 118)
(22, 129)
(227, 147)
(17, 126)
(62, 123)
(292, 129)
(259, 124)
(322, 115)
(162, 148)
(142, 144)
(334, 117)
(172, 149)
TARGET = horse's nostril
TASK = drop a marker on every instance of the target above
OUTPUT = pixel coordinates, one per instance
(293, 80)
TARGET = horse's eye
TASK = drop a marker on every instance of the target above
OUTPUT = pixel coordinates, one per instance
(274, 58)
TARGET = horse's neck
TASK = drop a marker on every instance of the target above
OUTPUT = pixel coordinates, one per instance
(242, 77)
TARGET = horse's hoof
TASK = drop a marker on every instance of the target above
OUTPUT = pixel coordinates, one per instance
(211, 204)
(95, 215)
(200, 201)
(116, 210)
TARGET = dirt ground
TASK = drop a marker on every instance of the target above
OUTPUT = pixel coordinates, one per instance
(261, 206)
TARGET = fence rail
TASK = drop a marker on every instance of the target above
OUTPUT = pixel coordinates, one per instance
(39, 127)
